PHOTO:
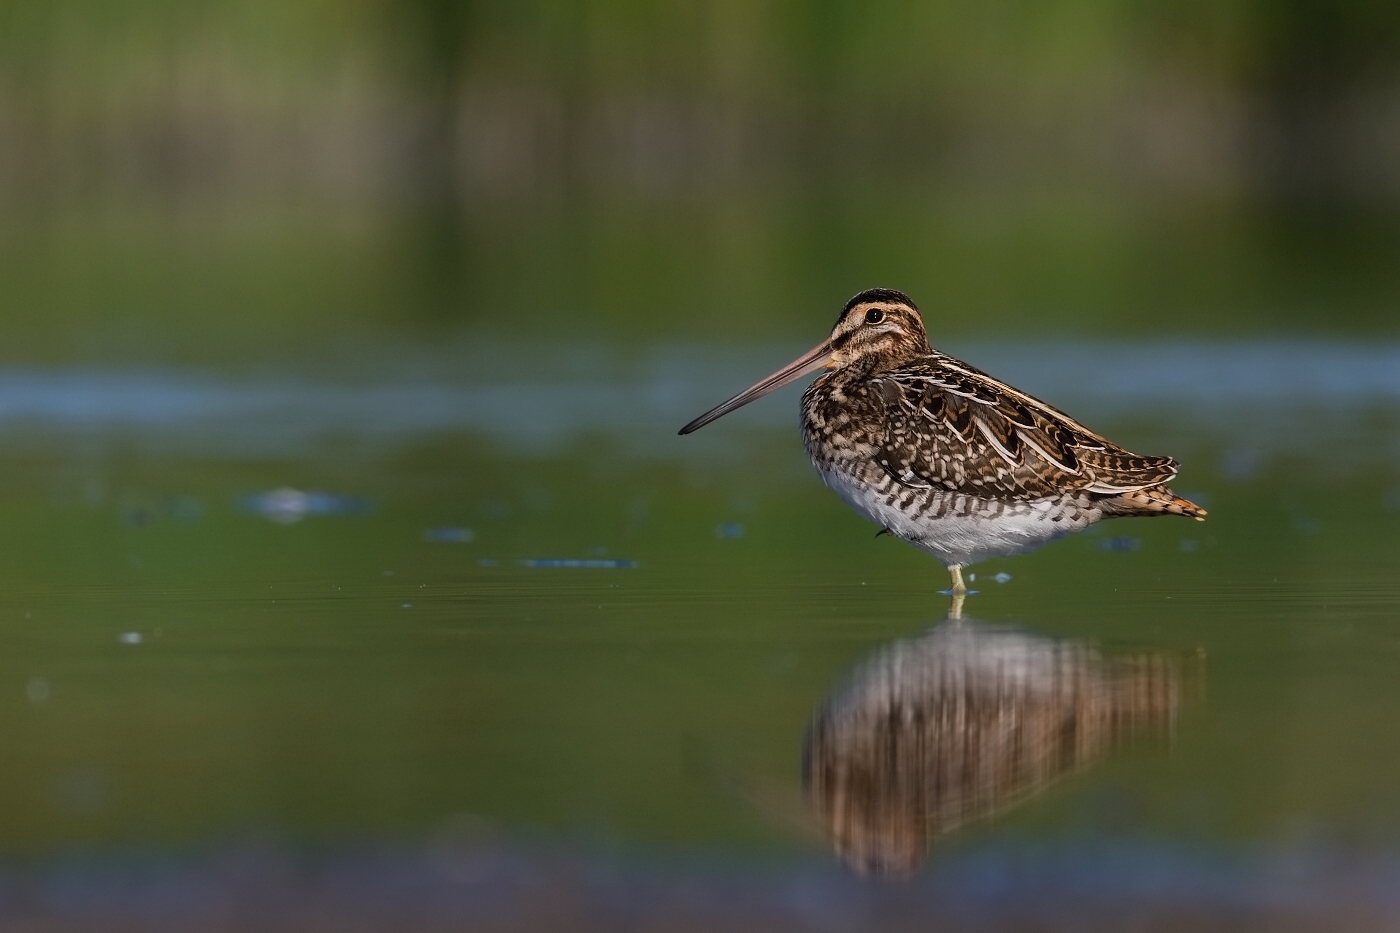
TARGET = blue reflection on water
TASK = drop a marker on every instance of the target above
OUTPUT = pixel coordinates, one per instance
(503, 887)
(546, 404)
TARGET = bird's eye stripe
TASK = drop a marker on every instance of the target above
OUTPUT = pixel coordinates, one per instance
(874, 316)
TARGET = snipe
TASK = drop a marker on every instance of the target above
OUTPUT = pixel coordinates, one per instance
(942, 455)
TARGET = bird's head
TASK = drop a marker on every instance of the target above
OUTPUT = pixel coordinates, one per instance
(877, 327)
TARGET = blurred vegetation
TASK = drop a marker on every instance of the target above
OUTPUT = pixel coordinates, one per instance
(202, 180)
(220, 182)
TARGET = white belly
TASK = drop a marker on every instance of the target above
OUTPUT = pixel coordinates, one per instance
(969, 529)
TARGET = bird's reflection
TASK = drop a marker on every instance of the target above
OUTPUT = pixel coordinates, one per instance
(962, 723)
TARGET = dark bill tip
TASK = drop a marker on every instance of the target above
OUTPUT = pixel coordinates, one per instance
(814, 359)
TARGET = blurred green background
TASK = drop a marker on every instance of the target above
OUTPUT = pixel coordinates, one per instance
(220, 180)
(467, 266)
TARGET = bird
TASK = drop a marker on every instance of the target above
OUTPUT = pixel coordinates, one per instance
(966, 722)
(945, 457)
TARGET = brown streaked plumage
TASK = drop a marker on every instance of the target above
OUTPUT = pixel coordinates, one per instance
(942, 455)
(966, 722)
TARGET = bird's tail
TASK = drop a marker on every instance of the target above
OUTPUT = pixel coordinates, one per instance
(1154, 500)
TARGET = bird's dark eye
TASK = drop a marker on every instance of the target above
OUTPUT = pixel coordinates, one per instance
(874, 316)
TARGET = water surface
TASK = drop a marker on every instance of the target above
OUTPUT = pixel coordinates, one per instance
(478, 614)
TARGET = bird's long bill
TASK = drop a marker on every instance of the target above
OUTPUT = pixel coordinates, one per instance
(811, 361)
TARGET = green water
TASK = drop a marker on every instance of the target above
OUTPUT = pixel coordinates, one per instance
(342, 349)
(179, 671)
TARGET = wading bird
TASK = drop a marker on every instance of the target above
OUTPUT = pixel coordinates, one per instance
(942, 455)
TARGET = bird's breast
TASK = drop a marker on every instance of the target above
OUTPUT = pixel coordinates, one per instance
(842, 422)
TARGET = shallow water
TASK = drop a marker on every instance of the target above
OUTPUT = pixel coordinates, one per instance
(353, 623)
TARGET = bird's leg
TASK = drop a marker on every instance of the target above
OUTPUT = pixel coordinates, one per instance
(958, 591)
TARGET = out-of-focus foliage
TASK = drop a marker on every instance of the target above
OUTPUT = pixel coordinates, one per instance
(720, 168)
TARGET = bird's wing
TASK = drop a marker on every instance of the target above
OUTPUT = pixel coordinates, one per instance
(951, 426)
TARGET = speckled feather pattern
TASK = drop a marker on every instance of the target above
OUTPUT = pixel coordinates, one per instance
(966, 467)
(942, 455)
